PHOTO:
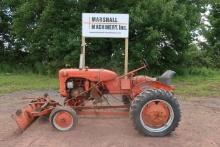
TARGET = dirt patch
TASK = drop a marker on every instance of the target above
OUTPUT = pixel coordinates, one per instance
(199, 127)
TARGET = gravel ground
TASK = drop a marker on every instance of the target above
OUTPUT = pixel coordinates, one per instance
(199, 127)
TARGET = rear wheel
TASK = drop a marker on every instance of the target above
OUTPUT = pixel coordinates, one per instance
(63, 118)
(155, 113)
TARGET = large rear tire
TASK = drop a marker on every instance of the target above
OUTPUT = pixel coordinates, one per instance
(63, 118)
(155, 113)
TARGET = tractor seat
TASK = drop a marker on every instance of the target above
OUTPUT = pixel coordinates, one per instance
(166, 77)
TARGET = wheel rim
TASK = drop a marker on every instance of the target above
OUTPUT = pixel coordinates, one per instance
(63, 120)
(156, 115)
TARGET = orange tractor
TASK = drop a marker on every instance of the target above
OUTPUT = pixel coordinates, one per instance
(150, 102)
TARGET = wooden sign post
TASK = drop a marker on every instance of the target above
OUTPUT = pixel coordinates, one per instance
(83, 53)
(126, 57)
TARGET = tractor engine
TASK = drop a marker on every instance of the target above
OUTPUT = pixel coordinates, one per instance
(80, 90)
(75, 92)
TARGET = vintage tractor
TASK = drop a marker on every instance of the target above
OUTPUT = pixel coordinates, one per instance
(153, 108)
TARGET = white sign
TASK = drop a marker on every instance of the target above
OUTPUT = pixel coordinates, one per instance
(105, 25)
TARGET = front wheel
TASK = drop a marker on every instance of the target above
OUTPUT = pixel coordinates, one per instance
(63, 118)
(155, 113)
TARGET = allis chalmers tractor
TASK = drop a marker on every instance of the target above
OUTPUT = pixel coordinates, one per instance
(153, 108)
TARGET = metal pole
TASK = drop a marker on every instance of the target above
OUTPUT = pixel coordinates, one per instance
(126, 57)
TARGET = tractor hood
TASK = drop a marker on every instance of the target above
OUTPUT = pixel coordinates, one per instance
(90, 74)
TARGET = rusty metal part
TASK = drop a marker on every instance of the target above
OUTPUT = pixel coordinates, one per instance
(77, 92)
(155, 114)
(78, 101)
(37, 107)
(103, 113)
(119, 110)
(23, 116)
(133, 71)
(96, 94)
(101, 107)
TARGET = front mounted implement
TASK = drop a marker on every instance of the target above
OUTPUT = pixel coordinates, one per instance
(41, 106)
(45, 106)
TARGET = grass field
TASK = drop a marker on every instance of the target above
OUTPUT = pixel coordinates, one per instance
(13, 82)
(201, 86)
(187, 86)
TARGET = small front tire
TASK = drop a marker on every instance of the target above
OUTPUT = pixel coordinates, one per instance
(63, 118)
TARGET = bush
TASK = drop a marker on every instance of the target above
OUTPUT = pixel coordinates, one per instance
(202, 71)
(14, 68)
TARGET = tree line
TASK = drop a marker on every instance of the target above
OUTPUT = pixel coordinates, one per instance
(45, 35)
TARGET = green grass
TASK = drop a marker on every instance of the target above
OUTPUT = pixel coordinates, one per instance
(187, 86)
(198, 86)
(16, 82)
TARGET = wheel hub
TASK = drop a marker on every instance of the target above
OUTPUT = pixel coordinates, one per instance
(63, 119)
(155, 114)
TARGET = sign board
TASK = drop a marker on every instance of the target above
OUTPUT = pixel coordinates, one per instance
(105, 25)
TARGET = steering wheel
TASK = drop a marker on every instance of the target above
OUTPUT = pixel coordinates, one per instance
(146, 64)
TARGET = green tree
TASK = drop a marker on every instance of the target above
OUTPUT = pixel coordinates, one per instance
(162, 31)
(50, 32)
(213, 35)
(11, 49)
(4, 32)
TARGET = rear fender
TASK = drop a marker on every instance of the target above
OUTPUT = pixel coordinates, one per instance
(137, 89)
